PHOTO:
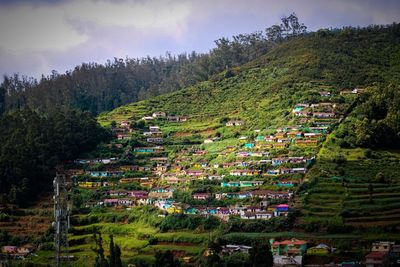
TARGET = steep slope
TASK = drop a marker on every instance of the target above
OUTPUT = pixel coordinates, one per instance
(262, 91)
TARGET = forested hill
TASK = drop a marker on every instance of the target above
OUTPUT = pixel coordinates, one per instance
(264, 90)
(96, 87)
(32, 144)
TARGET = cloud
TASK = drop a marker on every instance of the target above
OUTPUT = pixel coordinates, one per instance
(42, 35)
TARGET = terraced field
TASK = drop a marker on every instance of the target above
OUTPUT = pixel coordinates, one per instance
(358, 191)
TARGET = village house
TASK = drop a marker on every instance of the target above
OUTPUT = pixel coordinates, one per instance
(248, 145)
(201, 196)
(245, 172)
(270, 139)
(269, 194)
(243, 139)
(117, 130)
(215, 177)
(200, 152)
(157, 140)
(26, 249)
(241, 183)
(273, 172)
(358, 90)
(281, 210)
(237, 195)
(177, 118)
(312, 135)
(159, 114)
(287, 183)
(208, 141)
(292, 247)
(319, 250)
(124, 124)
(324, 115)
(109, 202)
(324, 129)
(138, 193)
(279, 145)
(194, 172)
(230, 249)
(257, 215)
(132, 180)
(144, 149)
(104, 173)
(234, 123)
(9, 249)
(124, 137)
(303, 113)
(148, 118)
(89, 184)
(116, 193)
(159, 159)
(382, 246)
(325, 94)
(307, 143)
(242, 154)
(154, 129)
(295, 134)
(375, 259)
(161, 193)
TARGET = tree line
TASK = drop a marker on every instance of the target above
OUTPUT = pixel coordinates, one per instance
(102, 87)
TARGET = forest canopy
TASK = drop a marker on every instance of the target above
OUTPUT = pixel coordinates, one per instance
(32, 144)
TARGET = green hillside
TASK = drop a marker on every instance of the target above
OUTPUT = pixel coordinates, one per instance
(263, 91)
(281, 147)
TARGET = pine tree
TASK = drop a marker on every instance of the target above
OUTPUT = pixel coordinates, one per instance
(112, 252)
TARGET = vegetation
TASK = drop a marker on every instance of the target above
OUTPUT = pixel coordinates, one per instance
(375, 121)
(97, 88)
(351, 191)
(33, 144)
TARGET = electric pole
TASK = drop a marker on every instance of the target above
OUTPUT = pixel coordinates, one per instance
(61, 219)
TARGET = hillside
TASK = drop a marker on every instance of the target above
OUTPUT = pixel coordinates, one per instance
(263, 91)
(273, 149)
(349, 193)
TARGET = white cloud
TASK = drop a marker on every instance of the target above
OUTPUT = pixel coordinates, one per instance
(26, 27)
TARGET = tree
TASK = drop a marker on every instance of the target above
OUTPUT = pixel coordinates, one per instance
(112, 258)
(261, 255)
(118, 262)
(166, 259)
(100, 260)
(291, 26)
(113, 125)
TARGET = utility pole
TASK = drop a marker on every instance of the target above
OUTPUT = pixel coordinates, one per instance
(61, 220)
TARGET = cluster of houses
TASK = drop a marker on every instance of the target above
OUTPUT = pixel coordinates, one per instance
(383, 253)
(161, 115)
(263, 211)
(259, 165)
(290, 252)
(18, 252)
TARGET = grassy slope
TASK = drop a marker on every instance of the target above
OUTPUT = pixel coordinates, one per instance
(262, 93)
(263, 90)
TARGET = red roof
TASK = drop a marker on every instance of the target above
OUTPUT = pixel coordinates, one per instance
(376, 255)
(290, 242)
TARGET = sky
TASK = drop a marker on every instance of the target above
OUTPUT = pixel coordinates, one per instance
(38, 36)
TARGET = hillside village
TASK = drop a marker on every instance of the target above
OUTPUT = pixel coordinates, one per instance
(251, 175)
(253, 179)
